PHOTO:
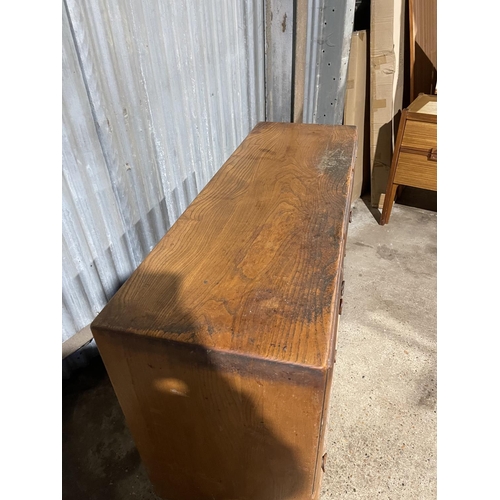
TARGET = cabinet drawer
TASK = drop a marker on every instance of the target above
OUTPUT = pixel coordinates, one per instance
(416, 170)
(420, 135)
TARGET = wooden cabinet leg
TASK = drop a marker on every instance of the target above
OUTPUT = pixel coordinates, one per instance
(388, 202)
(390, 192)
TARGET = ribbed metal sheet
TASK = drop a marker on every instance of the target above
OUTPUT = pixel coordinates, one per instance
(329, 30)
(156, 96)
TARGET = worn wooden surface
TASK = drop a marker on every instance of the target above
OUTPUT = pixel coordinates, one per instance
(254, 259)
(220, 346)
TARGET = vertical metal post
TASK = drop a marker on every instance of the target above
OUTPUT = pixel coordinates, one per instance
(279, 21)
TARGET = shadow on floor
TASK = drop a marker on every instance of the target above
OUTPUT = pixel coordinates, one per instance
(99, 458)
(418, 198)
(410, 197)
(367, 200)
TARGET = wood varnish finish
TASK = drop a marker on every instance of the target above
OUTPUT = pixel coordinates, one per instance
(220, 346)
(416, 170)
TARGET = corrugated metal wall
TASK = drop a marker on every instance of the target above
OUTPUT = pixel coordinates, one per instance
(156, 96)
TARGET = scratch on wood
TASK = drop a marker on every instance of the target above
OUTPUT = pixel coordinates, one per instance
(331, 159)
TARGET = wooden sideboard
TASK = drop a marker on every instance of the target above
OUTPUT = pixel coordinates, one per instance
(221, 345)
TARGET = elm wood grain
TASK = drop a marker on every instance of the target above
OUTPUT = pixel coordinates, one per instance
(217, 425)
(220, 346)
(258, 250)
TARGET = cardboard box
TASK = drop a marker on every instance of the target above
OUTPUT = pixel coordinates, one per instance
(386, 88)
(355, 103)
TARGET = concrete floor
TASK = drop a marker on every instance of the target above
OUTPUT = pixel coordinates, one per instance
(382, 424)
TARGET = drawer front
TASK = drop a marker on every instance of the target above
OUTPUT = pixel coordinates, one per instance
(417, 171)
(420, 135)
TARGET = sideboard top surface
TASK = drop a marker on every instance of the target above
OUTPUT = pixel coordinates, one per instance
(252, 265)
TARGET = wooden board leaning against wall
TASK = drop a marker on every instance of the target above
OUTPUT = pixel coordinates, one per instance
(355, 109)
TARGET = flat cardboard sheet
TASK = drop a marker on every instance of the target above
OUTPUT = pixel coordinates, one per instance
(355, 99)
(387, 77)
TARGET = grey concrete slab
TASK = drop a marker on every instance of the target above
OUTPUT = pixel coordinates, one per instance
(382, 423)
